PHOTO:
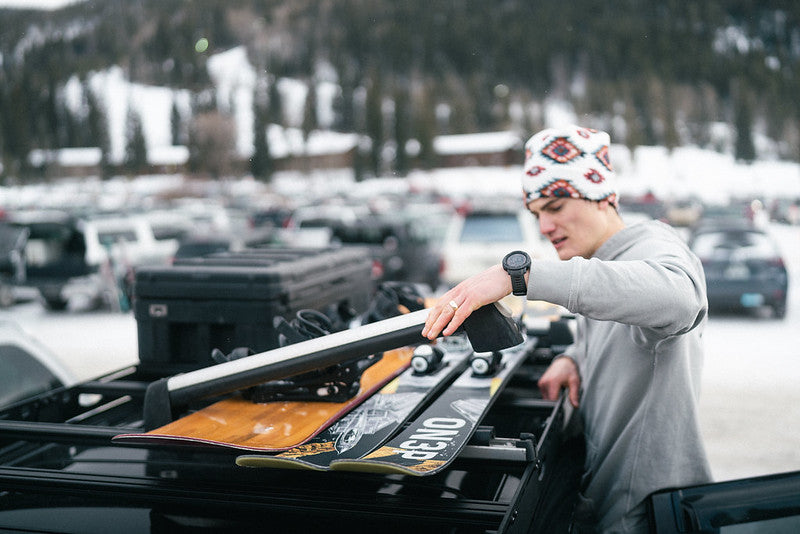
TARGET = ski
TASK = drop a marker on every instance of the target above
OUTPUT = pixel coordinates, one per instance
(435, 437)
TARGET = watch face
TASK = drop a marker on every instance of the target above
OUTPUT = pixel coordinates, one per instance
(516, 261)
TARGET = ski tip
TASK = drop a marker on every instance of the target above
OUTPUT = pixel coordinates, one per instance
(119, 438)
(378, 468)
(259, 461)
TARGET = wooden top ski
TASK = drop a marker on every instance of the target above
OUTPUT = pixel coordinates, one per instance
(237, 423)
(370, 424)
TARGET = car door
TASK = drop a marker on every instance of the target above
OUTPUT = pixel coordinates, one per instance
(765, 504)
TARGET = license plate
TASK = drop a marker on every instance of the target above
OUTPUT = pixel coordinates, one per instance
(751, 300)
(736, 272)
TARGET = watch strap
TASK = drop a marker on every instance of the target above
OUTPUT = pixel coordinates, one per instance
(518, 285)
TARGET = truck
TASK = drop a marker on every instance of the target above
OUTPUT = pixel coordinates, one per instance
(84, 260)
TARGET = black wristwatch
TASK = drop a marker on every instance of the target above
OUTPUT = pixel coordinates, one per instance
(516, 264)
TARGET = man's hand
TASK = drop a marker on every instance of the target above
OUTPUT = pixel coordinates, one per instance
(457, 304)
(562, 373)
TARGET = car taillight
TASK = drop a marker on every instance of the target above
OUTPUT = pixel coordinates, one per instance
(377, 269)
(776, 262)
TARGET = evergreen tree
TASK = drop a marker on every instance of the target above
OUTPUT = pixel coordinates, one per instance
(425, 127)
(744, 148)
(275, 104)
(261, 162)
(344, 102)
(176, 125)
(135, 143)
(374, 122)
(52, 125)
(310, 111)
(401, 129)
(347, 114)
(359, 163)
(97, 130)
(17, 129)
(73, 126)
(454, 49)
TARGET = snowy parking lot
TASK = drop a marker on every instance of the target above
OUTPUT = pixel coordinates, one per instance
(750, 402)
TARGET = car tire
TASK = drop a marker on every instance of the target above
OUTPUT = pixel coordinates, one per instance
(55, 304)
(6, 296)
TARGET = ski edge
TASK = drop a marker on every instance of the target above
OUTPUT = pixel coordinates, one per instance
(263, 460)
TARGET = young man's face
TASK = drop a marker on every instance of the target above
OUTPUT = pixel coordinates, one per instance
(575, 227)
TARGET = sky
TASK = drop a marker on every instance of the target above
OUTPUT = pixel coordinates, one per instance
(36, 4)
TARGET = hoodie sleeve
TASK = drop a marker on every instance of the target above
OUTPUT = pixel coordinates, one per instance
(664, 291)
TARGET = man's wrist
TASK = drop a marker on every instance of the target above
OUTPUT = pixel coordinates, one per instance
(517, 264)
(564, 356)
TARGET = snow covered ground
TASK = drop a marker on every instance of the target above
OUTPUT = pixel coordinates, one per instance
(750, 402)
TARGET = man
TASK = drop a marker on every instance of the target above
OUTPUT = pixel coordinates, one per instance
(639, 296)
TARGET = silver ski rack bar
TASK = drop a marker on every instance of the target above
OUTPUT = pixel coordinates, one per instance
(489, 328)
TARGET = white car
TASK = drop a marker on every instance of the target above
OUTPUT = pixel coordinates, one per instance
(128, 240)
(27, 368)
(480, 238)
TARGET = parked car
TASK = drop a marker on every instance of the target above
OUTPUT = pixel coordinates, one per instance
(403, 244)
(273, 217)
(744, 267)
(398, 245)
(733, 213)
(479, 238)
(169, 225)
(27, 368)
(86, 259)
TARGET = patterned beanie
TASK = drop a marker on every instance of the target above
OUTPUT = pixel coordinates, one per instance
(569, 162)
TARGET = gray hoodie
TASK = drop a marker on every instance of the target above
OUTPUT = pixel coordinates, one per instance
(641, 305)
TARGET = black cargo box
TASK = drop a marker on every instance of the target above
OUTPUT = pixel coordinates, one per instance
(229, 300)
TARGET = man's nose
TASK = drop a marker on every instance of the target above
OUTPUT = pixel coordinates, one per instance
(545, 224)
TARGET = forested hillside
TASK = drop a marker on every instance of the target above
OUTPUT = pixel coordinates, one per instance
(652, 72)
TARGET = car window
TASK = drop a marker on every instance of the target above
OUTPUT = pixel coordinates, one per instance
(47, 243)
(491, 228)
(22, 375)
(428, 229)
(361, 234)
(315, 223)
(733, 245)
(166, 232)
(109, 237)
